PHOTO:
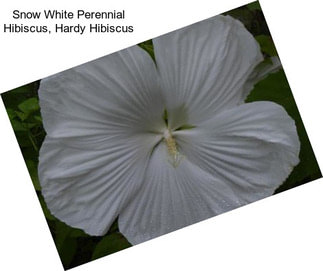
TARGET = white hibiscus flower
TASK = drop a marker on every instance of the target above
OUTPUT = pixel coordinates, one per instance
(167, 144)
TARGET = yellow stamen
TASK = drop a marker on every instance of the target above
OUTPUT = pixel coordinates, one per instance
(175, 156)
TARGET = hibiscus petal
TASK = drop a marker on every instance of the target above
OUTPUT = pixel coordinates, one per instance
(87, 189)
(203, 67)
(100, 120)
(253, 147)
(172, 198)
(110, 95)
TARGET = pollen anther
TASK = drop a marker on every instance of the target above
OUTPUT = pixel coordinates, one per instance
(174, 155)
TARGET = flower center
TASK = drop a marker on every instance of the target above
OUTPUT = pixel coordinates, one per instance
(174, 156)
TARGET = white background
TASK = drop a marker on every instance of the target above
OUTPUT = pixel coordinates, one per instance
(283, 232)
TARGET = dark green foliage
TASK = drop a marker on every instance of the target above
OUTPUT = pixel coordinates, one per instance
(254, 6)
(267, 45)
(76, 247)
(110, 244)
(252, 18)
(24, 113)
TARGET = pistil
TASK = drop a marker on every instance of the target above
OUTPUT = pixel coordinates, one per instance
(174, 155)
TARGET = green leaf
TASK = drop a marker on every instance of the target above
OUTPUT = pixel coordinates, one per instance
(25, 145)
(110, 244)
(75, 233)
(114, 226)
(22, 116)
(66, 243)
(46, 211)
(11, 113)
(16, 123)
(254, 6)
(28, 106)
(67, 251)
(18, 126)
(63, 231)
(38, 118)
(33, 172)
(15, 96)
(148, 47)
(267, 45)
